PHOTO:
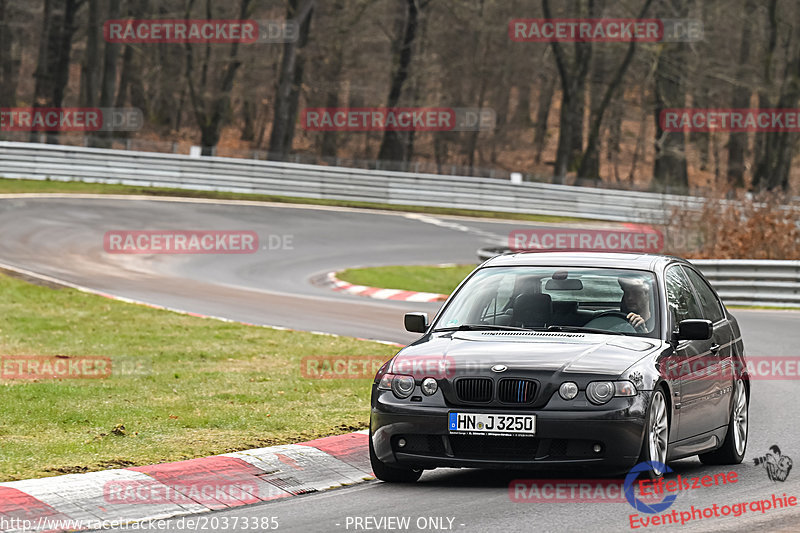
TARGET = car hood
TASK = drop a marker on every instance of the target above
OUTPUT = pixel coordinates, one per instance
(540, 352)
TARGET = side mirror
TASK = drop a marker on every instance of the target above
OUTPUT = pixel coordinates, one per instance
(693, 329)
(416, 322)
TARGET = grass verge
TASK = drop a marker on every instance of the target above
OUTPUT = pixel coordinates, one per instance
(181, 386)
(15, 186)
(436, 279)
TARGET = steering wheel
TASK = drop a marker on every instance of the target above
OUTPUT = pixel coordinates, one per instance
(606, 320)
(612, 312)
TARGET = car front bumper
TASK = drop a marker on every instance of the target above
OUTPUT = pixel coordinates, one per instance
(564, 438)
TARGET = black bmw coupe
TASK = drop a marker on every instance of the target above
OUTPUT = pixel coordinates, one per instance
(565, 360)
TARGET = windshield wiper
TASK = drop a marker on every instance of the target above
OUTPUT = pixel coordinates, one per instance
(484, 327)
(578, 329)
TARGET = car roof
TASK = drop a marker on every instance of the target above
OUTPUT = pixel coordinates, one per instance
(636, 261)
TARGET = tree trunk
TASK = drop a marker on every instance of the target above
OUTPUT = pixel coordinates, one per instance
(46, 64)
(108, 82)
(590, 161)
(9, 62)
(90, 69)
(774, 155)
(573, 92)
(55, 46)
(547, 88)
(130, 79)
(522, 116)
(392, 145)
(737, 142)
(212, 114)
(329, 144)
(290, 76)
(670, 168)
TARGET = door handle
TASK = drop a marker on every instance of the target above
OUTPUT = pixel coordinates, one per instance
(714, 348)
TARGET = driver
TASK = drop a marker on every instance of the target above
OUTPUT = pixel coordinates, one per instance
(636, 304)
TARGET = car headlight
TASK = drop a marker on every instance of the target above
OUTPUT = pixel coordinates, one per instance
(429, 386)
(402, 386)
(600, 392)
(568, 390)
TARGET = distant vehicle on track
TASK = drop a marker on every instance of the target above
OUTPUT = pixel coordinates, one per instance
(565, 360)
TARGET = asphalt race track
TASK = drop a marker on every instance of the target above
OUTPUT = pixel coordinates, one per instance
(63, 238)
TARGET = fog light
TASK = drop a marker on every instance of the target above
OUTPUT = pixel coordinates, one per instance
(597, 448)
(401, 443)
(429, 386)
(568, 390)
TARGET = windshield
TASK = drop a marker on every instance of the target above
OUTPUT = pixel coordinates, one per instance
(604, 300)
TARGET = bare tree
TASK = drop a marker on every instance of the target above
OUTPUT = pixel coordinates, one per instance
(572, 72)
(9, 58)
(55, 46)
(212, 108)
(392, 144)
(737, 143)
(291, 76)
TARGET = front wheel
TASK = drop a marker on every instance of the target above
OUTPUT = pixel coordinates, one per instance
(656, 435)
(391, 474)
(732, 450)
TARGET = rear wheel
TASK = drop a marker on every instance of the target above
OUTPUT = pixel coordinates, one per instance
(732, 450)
(391, 474)
(654, 447)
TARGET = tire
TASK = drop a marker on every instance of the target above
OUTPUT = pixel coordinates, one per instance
(656, 435)
(391, 474)
(733, 448)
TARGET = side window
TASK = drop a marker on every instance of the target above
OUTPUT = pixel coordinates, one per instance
(680, 299)
(712, 309)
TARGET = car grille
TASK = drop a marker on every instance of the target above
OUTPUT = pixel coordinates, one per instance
(474, 389)
(476, 447)
(516, 390)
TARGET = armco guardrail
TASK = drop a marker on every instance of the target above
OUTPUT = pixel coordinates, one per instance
(737, 281)
(753, 281)
(67, 163)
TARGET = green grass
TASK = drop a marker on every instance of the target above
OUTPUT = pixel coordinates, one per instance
(182, 386)
(15, 186)
(436, 279)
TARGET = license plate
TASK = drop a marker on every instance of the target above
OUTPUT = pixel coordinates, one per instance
(486, 424)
